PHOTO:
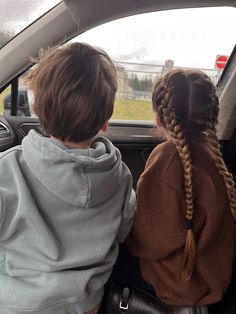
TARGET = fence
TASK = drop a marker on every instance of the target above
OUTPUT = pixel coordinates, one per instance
(128, 73)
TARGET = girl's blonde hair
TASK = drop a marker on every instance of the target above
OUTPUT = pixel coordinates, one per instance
(187, 101)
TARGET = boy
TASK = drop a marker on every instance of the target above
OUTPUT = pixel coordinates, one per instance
(66, 200)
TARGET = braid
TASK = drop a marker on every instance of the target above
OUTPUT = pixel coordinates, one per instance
(214, 145)
(187, 100)
(220, 165)
(167, 112)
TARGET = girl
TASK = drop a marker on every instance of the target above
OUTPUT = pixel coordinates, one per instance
(184, 231)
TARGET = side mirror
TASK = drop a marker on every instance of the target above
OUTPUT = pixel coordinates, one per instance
(23, 103)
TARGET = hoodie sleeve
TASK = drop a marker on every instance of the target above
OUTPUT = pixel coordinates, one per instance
(127, 217)
(1, 211)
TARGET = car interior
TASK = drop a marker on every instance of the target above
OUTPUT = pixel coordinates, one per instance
(135, 139)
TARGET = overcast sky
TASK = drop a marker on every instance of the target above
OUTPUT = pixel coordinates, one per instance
(191, 37)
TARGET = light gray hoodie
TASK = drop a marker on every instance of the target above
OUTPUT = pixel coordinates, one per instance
(62, 213)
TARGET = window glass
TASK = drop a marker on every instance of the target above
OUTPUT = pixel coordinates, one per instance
(3, 97)
(145, 46)
(17, 15)
(25, 100)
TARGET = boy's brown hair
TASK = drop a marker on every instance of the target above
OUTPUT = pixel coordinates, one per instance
(74, 91)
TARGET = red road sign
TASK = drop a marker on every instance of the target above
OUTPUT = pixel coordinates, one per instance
(221, 62)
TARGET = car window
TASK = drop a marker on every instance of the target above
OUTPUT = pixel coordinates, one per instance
(145, 46)
(14, 18)
(25, 99)
(6, 93)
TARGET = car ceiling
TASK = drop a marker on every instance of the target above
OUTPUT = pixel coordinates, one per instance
(71, 17)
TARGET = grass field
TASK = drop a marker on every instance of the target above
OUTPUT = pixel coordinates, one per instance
(132, 109)
(125, 109)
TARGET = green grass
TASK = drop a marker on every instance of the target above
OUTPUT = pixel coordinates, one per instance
(132, 109)
(2, 95)
(125, 109)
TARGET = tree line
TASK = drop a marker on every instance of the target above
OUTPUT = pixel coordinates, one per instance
(140, 84)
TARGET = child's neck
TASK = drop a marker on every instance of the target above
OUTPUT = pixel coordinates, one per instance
(82, 145)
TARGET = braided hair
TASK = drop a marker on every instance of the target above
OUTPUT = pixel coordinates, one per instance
(187, 101)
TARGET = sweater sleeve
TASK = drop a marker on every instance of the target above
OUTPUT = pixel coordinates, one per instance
(158, 229)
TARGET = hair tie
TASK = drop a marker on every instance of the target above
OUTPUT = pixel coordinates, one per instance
(189, 224)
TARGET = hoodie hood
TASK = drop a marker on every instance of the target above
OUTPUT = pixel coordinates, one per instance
(74, 175)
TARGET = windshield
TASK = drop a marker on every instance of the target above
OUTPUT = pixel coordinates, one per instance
(188, 37)
(17, 15)
(144, 47)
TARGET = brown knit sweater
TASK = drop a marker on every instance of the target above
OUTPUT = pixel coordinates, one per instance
(158, 235)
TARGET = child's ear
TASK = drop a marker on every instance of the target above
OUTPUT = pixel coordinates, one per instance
(157, 119)
(104, 127)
